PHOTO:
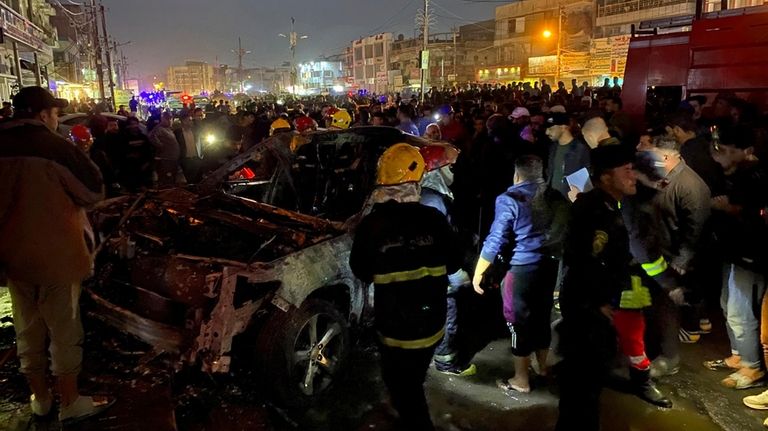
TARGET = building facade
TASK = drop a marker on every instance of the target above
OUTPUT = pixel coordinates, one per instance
(575, 39)
(194, 77)
(370, 63)
(320, 76)
(26, 54)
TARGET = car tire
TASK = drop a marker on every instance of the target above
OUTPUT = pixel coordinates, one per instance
(302, 352)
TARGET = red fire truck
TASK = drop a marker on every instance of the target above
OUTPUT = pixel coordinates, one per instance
(720, 53)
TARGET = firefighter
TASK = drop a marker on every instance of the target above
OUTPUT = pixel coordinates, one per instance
(279, 125)
(338, 119)
(602, 297)
(407, 251)
(436, 193)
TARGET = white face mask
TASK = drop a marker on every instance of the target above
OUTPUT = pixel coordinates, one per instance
(447, 174)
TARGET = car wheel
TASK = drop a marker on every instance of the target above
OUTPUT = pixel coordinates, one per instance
(304, 351)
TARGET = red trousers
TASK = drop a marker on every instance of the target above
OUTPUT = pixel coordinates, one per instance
(630, 327)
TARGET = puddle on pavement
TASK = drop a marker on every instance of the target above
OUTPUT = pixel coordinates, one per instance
(622, 412)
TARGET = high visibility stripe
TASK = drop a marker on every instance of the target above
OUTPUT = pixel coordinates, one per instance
(445, 358)
(412, 344)
(655, 268)
(416, 274)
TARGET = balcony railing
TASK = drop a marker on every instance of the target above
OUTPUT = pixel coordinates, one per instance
(634, 6)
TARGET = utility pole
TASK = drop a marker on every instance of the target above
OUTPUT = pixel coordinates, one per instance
(424, 52)
(97, 49)
(240, 54)
(109, 58)
(293, 39)
(454, 52)
(560, 12)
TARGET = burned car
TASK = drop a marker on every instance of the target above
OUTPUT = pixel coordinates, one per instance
(256, 254)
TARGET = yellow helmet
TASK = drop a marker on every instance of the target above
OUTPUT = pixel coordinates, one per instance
(341, 119)
(279, 125)
(401, 163)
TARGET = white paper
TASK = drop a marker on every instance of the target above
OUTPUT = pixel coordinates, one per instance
(579, 182)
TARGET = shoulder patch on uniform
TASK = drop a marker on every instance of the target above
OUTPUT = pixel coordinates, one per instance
(599, 241)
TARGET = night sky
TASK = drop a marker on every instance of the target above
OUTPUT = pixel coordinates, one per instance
(165, 32)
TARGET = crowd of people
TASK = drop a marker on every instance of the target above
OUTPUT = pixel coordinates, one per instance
(627, 232)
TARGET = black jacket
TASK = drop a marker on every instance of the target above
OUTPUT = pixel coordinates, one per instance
(696, 153)
(668, 223)
(596, 258)
(743, 237)
(407, 250)
(576, 157)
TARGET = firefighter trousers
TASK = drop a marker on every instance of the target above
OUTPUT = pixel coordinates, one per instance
(404, 372)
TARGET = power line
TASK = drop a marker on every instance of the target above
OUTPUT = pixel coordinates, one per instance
(471, 22)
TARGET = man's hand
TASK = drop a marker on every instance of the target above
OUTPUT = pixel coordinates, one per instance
(607, 311)
(677, 295)
(573, 193)
(478, 278)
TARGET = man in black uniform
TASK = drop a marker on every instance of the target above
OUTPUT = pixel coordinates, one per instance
(599, 286)
(407, 250)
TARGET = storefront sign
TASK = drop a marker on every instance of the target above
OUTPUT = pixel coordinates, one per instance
(542, 66)
(22, 30)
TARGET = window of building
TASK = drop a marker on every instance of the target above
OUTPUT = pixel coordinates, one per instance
(329, 74)
(359, 72)
(369, 71)
(511, 24)
(368, 51)
(378, 49)
(359, 53)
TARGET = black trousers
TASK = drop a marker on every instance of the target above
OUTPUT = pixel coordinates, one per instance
(404, 372)
(588, 347)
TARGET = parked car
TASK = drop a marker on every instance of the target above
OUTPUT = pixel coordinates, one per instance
(68, 121)
(256, 255)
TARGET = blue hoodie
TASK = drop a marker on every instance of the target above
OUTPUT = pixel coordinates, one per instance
(513, 222)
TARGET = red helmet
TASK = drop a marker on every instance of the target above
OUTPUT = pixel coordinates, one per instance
(80, 133)
(332, 110)
(304, 124)
(437, 156)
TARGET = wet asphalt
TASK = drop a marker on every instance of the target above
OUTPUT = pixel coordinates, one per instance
(151, 397)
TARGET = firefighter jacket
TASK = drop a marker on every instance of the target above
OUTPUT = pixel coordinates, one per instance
(596, 259)
(407, 250)
(665, 223)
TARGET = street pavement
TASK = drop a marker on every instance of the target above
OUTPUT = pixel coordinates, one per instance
(150, 399)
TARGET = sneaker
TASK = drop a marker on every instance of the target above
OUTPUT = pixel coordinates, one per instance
(757, 402)
(83, 408)
(661, 367)
(687, 337)
(40, 407)
(471, 370)
(705, 326)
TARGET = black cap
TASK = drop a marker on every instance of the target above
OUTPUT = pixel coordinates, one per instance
(32, 100)
(557, 119)
(610, 156)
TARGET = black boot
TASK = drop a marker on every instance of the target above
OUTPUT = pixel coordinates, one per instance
(644, 388)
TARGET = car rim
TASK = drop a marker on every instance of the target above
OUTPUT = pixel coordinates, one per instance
(317, 351)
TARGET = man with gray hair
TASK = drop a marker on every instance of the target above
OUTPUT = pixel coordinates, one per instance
(665, 220)
(595, 132)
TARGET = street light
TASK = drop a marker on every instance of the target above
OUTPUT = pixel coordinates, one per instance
(547, 34)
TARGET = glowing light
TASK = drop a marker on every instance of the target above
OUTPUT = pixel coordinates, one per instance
(210, 139)
(248, 87)
(280, 101)
(547, 34)
(338, 88)
(498, 71)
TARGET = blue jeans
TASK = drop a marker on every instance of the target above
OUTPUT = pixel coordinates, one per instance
(741, 298)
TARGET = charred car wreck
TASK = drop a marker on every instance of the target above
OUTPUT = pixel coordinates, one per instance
(257, 253)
